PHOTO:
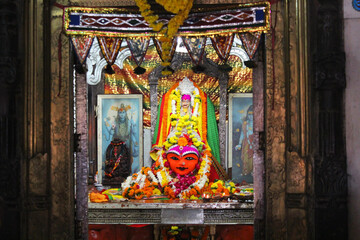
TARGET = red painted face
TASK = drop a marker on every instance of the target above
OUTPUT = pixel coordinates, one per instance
(182, 165)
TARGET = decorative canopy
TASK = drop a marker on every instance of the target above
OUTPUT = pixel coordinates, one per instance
(219, 23)
(127, 22)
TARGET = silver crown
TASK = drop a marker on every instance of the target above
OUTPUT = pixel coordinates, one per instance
(186, 86)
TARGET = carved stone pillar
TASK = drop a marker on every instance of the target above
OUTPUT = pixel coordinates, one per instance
(36, 165)
(82, 156)
(258, 145)
(11, 119)
(223, 83)
(330, 178)
(297, 118)
(61, 164)
(275, 125)
(153, 82)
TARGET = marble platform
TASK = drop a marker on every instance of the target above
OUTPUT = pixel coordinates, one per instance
(171, 212)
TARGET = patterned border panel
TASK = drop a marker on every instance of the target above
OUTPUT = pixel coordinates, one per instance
(126, 216)
(122, 22)
(154, 216)
(229, 216)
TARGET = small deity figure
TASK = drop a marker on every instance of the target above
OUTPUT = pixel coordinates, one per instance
(185, 147)
(185, 105)
(117, 163)
(245, 145)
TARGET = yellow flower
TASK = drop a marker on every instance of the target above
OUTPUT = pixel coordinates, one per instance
(156, 192)
(167, 144)
(220, 182)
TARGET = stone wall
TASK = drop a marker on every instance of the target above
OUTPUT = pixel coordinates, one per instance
(352, 113)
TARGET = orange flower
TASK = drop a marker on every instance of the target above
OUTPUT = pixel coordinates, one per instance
(148, 194)
(140, 196)
(131, 192)
(169, 192)
(98, 197)
(182, 141)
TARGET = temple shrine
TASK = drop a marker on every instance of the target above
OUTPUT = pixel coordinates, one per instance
(179, 120)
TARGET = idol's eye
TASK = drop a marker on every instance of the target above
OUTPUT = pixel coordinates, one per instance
(174, 158)
(190, 158)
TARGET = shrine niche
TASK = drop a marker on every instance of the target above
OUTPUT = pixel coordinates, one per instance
(273, 142)
(296, 199)
(185, 81)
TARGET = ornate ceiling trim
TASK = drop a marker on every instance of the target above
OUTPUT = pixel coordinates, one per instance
(127, 22)
(103, 3)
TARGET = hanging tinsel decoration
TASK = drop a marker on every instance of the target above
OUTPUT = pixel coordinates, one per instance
(110, 48)
(196, 48)
(138, 48)
(222, 45)
(250, 41)
(81, 46)
(159, 49)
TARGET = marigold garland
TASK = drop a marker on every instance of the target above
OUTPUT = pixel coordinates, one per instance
(179, 7)
(149, 182)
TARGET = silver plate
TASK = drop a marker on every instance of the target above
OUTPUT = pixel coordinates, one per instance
(180, 216)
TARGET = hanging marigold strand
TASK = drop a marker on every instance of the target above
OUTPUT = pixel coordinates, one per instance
(174, 6)
(148, 15)
(179, 7)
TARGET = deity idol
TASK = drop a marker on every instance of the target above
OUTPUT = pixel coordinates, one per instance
(184, 158)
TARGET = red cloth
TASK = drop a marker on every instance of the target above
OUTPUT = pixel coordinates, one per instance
(231, 232)
(138, 225)
(213, 174)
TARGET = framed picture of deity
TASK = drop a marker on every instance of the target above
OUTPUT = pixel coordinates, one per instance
(241, 135)
(119, 137)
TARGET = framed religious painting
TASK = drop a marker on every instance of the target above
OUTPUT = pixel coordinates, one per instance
(119, 137)
(241, 135)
